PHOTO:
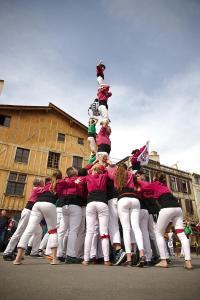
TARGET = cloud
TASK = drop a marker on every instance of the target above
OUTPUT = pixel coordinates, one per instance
(151, 50)
(170, 119)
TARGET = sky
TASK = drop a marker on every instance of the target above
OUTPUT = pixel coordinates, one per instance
(151, 49)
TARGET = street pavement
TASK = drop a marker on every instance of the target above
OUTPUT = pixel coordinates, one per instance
(37, 279)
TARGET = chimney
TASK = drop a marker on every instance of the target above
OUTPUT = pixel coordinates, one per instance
(154, 156)
(1, 85)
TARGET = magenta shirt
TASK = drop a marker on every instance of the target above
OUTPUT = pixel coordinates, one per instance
(96, 182)
(36, 191)
(104, 94)
(158, 189)
(135, 156)
(103, 137)
(71, 187)
(59, 189)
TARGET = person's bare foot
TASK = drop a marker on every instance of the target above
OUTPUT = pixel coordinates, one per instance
(188, 265)
(85, 263)
(162, 264)
(107, 263)
(55, 262)
(15, 262)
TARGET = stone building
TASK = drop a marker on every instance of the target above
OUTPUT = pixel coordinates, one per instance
(34, 141)
(196, 188)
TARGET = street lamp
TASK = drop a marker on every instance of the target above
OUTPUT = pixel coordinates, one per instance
(1, 85)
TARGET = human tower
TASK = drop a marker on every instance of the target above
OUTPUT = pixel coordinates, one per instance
(100, 143)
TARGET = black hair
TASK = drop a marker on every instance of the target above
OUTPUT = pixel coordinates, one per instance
(47, 179)
(82, 172)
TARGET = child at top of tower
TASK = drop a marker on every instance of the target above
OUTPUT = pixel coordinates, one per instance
(92, 134)
(100, 68)
(103, 95)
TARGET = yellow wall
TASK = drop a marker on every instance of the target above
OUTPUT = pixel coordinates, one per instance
(36, 130)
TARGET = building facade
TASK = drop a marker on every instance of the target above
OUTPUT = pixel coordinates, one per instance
(180, 183)
(196, 188)
(34, 142)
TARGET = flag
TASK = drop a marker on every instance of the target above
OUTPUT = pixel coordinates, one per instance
(1, 85)
(143, 158)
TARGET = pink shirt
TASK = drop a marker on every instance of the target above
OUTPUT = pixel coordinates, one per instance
(104, 94)
(36, 191)
(71, 187)
(60, 186)
(96, 182)
(135, 156)
(158, 189)
(103, 136)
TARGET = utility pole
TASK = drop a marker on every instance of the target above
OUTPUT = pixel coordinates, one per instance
(1, 85)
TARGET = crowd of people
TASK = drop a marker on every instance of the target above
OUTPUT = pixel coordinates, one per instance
(103, 210)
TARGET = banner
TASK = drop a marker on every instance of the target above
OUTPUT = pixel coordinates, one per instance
(143, 158)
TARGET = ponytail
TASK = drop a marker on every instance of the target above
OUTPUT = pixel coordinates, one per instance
(120, 179)
(54, 179)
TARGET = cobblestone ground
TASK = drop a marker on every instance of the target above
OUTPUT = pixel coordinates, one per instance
(37, 279)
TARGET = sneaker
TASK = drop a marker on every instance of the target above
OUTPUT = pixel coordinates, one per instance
(141, 262)
(119, 257)
(169, 261)
(72, 260)
(134, 258)
(93, 261)
(9, 257)
(127, 264)
(61, 259)
(149, 264)
(28, 251)
(35, 255)
(41, 253)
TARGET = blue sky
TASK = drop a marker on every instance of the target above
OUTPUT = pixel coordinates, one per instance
(49, 49)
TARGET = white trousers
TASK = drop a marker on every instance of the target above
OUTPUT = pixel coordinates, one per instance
(93, 146)
(152, 235)
(144, 220)
(129, 214)
(81, 235)
(72, 216)
(96, 211)
(44, 241)
(113, 225)
(103, 112)
(96, 248)
(100, 80)
(41, 210)
(35, 240)
(174, 215)
(23, 222)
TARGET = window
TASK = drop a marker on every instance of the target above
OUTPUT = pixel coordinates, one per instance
(61, 137)
(197, 180)
(189, 206)
(173, 183)
(184, 186)
(80, 141)
(146, 174)
(198, 195)
(16, 183)
(22, 155)
(77, 162)
(5, 120)
(53, 160)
